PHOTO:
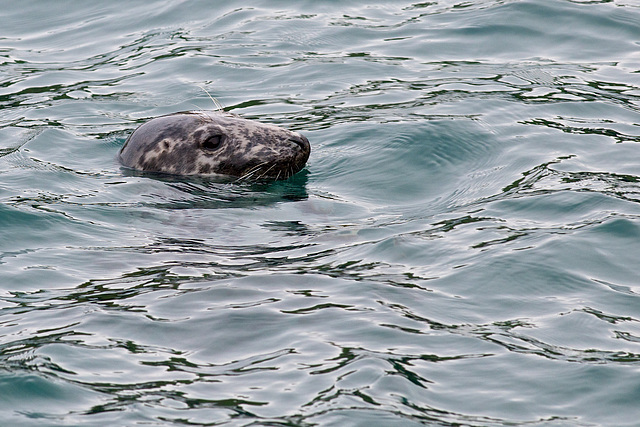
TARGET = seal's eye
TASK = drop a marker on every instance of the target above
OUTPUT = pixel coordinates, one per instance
(212, 142)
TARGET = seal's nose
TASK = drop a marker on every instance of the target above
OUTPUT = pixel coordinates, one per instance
(302, 142)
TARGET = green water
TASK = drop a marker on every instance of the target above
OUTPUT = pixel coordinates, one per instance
(461, 249)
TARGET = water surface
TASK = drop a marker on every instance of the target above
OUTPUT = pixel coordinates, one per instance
(461, 249)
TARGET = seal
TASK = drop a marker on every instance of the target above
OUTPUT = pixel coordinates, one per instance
(215, 143)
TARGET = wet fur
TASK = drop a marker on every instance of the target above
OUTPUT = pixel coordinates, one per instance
(215, 143)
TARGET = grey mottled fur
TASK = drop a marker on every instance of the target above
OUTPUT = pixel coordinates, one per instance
(215, 143)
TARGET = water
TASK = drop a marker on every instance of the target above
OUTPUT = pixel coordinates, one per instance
(461, 249)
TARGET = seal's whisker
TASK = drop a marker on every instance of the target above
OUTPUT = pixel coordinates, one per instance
(258, 168)
(202, 115)
(252, 171)
(244, 177)
(216, 103)
(266, 171)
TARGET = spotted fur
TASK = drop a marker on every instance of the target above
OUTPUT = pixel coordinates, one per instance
(215, 143)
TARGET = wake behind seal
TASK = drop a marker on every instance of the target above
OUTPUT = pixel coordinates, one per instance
(215, 143)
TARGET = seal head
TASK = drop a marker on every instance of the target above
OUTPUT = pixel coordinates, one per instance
(215, 143)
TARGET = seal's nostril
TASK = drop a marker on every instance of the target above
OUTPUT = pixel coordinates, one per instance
(301, 141)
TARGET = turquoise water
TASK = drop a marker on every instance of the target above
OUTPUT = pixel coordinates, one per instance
(462, 248)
